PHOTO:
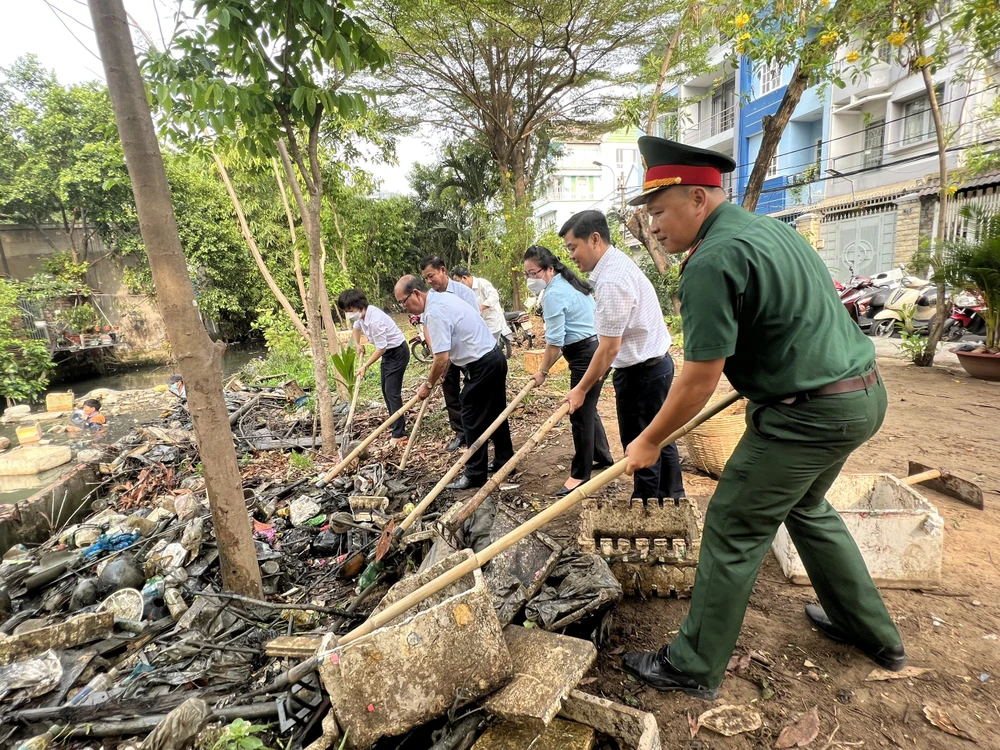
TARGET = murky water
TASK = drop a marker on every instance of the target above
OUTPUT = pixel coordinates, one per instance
(14, 489)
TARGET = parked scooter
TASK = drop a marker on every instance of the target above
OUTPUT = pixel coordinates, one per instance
(966, 317)
(855, 289)
(418, 344)
(916, 293)
(522, 333)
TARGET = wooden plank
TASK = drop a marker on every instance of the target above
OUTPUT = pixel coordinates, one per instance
(293, 646)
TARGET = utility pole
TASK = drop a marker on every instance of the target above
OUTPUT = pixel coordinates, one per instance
(199, 359)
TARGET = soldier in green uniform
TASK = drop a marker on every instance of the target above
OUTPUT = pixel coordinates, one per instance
(758, 305)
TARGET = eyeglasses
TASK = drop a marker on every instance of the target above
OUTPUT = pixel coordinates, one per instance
(403, 301)
(533, 274)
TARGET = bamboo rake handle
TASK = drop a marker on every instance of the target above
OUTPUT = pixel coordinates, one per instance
(491, 486)
(332, 474)
(414, 431)
(350, 414)
(533, 524)
(462, 461)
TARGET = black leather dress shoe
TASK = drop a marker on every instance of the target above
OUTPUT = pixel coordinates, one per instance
(654, 668)
(892, 658)
(454, 445)
(463, 483)
(563, 491)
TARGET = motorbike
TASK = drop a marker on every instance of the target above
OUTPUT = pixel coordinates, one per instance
(918, 294)
(855, 289)
(522, 332)
(966, 317)
(419, 348)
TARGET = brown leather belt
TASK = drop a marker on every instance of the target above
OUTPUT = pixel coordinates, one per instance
(847, 385)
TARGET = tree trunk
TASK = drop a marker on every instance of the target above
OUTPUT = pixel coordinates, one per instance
(310, 212)
(926, 357)
(664, 68)
(199, 360)
(638, 227)
(774, 127)
(252, 244)
(296, 257)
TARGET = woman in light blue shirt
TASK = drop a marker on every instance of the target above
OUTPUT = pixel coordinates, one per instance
(568, 311)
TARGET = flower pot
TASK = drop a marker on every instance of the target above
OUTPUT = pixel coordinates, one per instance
(980, 365)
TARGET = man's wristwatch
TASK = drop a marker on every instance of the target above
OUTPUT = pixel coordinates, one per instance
(544, 372)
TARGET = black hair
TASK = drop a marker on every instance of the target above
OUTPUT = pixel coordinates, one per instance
(461, 271)
(95, 403)
(585, 224)
(546, 259)
(414, 284)
(175, 378)
(352, 299)
(434, 261)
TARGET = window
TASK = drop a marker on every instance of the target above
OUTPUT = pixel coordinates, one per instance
(874, 141)
(625, 157)
(918, 123)
(819, 156)
(548, 222)
(772, 168)
(723, 110)
(769, 77)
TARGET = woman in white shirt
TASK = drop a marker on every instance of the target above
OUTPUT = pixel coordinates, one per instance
(390, 347)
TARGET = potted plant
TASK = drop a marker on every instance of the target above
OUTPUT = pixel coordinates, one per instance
(974, 263)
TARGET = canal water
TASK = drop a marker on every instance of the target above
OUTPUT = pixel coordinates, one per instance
(14, 489)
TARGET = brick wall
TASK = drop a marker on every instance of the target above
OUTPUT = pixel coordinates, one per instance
(908, 229)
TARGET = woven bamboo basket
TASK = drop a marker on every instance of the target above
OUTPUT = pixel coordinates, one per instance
(710, 445)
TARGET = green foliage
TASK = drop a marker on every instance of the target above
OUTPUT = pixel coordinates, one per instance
(25, 363)
(287, 352)
(666, 284)
(79, 318)
(253, 72)
(974, 264)
(62, 266)
(302, 462)
(345, 362)
(241, 734)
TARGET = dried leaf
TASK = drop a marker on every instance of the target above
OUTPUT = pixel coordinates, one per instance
(693, 724)
(588, 681)
(940, 718)
(800, 732)
(738, 662)
(808, 664)
(385, 541)
(880, 675)
(731, 720)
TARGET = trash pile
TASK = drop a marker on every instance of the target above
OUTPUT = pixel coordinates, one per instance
(117, 626)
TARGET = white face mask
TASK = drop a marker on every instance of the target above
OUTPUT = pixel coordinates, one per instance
(354, 316)
(536, 286)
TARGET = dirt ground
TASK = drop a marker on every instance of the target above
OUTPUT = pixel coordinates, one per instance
(937, 416)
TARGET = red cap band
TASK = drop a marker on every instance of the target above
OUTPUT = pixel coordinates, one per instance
(664, 175)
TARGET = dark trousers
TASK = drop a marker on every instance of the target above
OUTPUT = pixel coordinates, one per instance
(780, 472)
(394, 363)
(451, 388)
(484, 397)
(640, 391)
(589, 439)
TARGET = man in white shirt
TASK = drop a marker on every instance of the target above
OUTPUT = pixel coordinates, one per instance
(435, 275)
(460, 339)
(488, 298)
(632, 338)
(390, 347)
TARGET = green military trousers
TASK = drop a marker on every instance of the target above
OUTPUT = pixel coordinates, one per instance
(780, 472)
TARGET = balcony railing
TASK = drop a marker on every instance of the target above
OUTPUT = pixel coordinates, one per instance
(718, 123)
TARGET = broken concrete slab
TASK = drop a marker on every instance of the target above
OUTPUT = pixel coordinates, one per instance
(73, 632)
(559, 735)
(446, 651)
(547, 666)
(653, 544)
(631, 728)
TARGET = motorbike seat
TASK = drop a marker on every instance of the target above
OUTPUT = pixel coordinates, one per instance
(927, 298)
(512, 316)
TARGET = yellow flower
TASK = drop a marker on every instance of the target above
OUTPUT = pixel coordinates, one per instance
(742, 20)
(852, 56)
(739, 48)
(824, 3)
(922, 62)
(744, 36)
(952, 190)
(896, 38)
(828, 37)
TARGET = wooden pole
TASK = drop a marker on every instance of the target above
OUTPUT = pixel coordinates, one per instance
(462, 461)
(346, 440)
(491, 486)
(414, 431)
(335, 471)
(555, 510)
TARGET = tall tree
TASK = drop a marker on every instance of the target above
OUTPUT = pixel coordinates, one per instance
(263, 75)
(199, 360)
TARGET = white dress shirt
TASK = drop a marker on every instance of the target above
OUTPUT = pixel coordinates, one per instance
(488, 297)
(459, 290)
(627, 306)
(457, 328)
(379, 329)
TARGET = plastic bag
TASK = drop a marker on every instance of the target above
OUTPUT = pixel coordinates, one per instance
(580, 585)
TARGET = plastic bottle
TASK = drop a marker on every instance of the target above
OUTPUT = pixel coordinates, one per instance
(175, 603)
(98, 684)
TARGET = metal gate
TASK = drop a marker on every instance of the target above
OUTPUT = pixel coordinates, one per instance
(860, 242)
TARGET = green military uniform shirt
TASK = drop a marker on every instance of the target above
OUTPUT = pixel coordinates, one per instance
(755, 292)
